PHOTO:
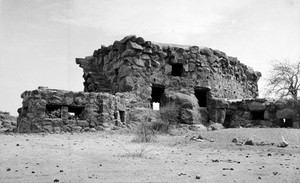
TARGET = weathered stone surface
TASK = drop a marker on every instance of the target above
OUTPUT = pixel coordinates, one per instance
(256, 106)
(281, 104)
(74, 111)
(221, 71)
(286, 113)
(137, 71)
(126, 84)
(7, 121)
(139, 62)
(217, 115)
(189, 108)
(218, 103)
(134, 45)
(215, 126)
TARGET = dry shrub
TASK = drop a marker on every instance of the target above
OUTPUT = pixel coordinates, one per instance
(138, 152)
(168, 117)
(144, 131)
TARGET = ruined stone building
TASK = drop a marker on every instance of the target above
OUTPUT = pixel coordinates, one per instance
(132, 74)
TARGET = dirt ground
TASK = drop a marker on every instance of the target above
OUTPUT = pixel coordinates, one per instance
(113, 157)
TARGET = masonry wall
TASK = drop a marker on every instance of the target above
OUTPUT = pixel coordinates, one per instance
(255, 112)
(135, 65)
(53, 110)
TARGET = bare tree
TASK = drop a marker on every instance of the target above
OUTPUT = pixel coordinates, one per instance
(284, 79)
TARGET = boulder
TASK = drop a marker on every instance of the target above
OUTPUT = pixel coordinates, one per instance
(198, 127)
(206, 51)
(186, 116)
(281, 104)
(126, 84)
(134, 46)
(215, 126)
(286, 113)
(128, 38)
(188, 104)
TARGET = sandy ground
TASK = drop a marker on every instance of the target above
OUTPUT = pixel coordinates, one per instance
(112, 157)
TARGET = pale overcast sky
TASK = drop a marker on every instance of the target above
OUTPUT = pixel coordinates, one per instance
(40, 39)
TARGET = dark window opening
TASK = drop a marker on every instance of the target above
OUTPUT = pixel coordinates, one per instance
(177, 70)
(286, 123)
(258, 115)
(201, 95)
(53, 111)
(157, 92)
(101, 106)
(75, 112)
(122, 116)
(228, 120)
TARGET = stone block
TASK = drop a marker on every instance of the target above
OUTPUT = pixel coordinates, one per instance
(139, 62)
(134, 45)
(126, 84)
(256, 106)
(48, 128)
(217, 115)
(83, 123)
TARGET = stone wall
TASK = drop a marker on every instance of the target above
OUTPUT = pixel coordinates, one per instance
(255, 112)
(54, 110)
(135, 65)
(7, 122)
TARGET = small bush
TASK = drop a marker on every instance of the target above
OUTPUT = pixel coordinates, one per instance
(169, 116)
(139, 152)
(144, 133)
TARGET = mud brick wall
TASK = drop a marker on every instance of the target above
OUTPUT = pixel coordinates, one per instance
(53, 110)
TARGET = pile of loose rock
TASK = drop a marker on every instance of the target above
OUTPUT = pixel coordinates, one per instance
(7, 122)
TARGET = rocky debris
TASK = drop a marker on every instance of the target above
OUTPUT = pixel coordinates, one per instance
(248, 141)
(228, 169)
(7, 122)
(197, 127)
(200, 138)
(283, 143)
(215, 126)
(198, 177)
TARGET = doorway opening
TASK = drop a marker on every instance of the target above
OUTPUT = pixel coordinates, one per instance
(156, 95)
(228, 120)
(202, 96)
(286, 122)
(257, 115)
(177, 70)
(122, 116)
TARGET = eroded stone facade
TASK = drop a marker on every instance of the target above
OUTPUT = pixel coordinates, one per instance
(255, 112)
(53, 110)
(135, 65)
(126, 78)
